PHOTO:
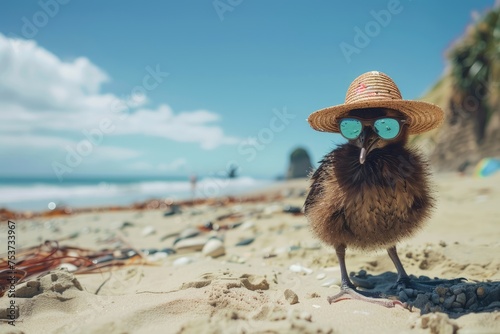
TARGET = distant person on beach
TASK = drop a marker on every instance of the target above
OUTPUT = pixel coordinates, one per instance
(193, 180)
(232, 171)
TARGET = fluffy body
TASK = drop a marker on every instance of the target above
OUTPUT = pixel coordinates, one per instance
(371, 205)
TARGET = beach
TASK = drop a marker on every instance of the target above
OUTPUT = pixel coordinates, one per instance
(249, 264)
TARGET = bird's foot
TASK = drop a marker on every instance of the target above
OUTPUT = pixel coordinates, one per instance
(374, 298)
(426, 285)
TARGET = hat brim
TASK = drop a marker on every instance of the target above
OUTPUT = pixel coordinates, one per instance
(421, 116)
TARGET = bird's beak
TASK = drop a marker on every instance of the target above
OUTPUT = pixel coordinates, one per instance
(367, 143)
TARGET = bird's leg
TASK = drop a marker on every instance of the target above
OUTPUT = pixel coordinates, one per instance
(405, 281)
(348, 290)
(403, 277)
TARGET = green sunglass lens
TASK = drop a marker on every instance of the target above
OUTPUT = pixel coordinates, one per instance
(387, 128)
(350, 128)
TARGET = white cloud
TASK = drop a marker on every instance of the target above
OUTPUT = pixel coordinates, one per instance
(187, 127)
(40, 93)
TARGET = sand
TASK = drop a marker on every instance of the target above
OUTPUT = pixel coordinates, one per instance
(277, 282)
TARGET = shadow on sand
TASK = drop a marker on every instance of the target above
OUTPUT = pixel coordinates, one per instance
(456, 297)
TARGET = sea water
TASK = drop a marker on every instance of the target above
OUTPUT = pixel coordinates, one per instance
(44, 193)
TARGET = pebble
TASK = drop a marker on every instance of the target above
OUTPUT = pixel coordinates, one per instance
(188, 233)
(441, 291)
(291, 297)
(471, 301)
(435, 298)
(331, 282)
(190, 245)
(168, 251)
(457, 290)
(297, 268)
(247, 225)
(148, 230)
(480, 292)
(102, 259)
(245, 242)
(149, 251)
(214, 248)
(69, 267)
(410, 292)
(292, 209)
(403, 297)
(156, 257)
(461, 298)
(422, 301)
(320, 276)
(449, 301)
(236, 259)
(182, 261)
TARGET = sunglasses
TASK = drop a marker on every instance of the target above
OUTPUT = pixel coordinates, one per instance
(384, 127)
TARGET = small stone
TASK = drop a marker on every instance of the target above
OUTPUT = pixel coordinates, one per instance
(435, 298)
(292, 209)
(470, 301)
(214, 248)
(182, 261)
(362, 273)
(297, 268)
(449, 301)
(481, 292)
(331, 282)
(247, 225)
(320, 276)
(409, 292)
(441, 291)
(148, 230)
(442, 243)
(291, 297)
(461, 299)
(423, 265)
(457, 290)
(403, 297)
(245, 242)
(456, 305)
(189, 233)
(421, 301)
(71, 268)
(190, 245)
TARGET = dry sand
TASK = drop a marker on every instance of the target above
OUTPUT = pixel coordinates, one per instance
(279, 283)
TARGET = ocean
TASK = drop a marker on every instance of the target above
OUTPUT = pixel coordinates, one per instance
(39, 194)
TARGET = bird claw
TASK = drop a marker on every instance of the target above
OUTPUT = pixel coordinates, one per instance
(350, 293)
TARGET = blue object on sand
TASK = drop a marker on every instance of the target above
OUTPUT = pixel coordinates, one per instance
(487, 167)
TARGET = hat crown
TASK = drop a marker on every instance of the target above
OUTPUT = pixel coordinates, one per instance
(372, 86)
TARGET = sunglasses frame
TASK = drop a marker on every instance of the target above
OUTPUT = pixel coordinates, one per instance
(371, 122)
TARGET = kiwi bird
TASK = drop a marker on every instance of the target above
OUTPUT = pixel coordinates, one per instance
(373, 191)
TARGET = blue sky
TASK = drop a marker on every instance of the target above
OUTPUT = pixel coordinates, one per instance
(181, 87)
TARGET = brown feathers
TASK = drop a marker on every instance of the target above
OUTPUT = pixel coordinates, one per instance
(370, 205)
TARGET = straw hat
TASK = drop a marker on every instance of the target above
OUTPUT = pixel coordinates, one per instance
(376, 90)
